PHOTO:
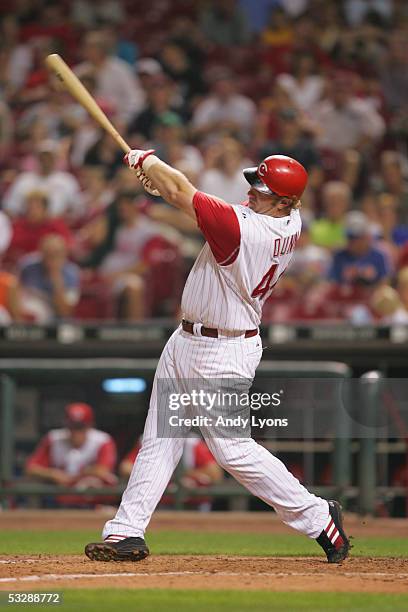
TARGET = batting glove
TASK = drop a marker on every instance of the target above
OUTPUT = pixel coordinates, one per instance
(135, 158)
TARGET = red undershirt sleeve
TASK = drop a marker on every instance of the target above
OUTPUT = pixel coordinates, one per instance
(41, 455)
(106, 456)
(202, 456)
(132, 454)
(219, 224)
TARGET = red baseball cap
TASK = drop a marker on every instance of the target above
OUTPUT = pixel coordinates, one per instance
(79, 415)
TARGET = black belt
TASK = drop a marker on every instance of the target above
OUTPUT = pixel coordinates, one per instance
(211, 332)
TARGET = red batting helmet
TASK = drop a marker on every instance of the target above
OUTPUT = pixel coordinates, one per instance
(278, 175)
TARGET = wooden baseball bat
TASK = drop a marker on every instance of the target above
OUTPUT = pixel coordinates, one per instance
(71, 82)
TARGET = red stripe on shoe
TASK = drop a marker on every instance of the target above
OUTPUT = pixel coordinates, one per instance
(329, 521)
(329, 529)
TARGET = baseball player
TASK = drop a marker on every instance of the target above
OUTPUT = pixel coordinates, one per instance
(248, 248)
(78, 456)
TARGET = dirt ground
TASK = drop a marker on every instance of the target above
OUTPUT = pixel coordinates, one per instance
(384, 575)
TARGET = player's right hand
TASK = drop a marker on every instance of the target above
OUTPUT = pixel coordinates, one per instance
(146, 182)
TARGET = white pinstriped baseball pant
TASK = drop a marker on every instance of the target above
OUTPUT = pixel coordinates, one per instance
(187, 357)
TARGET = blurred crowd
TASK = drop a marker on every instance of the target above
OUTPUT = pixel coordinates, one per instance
(214, 86)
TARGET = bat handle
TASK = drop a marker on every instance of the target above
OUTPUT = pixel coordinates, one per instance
(121, 142)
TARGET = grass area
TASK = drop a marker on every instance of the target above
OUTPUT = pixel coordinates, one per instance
(163, 600)
(193, 543)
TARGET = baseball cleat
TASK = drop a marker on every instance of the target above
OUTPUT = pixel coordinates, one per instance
(333, 539)
(128, 549)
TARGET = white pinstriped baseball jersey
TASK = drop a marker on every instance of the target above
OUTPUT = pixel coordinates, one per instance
(235, 272)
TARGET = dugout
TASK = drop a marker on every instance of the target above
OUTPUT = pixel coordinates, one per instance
(36, 391)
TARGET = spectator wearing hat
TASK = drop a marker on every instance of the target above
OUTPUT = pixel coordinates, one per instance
(77, 455)
(62, 188)
(359, 264)
(50, 283)
(147, 68)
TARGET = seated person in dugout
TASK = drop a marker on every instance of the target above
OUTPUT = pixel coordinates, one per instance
(199, 469)
(77, 456)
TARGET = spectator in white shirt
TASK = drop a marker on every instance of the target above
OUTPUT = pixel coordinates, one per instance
(17, 58)
(224, 177)
(345, 121)
(304, 85)
(224, 110)
(115, 80)
(62, 188)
